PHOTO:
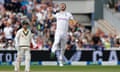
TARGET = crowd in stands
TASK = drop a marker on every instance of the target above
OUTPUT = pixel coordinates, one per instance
(40, 15)
(114, 5)
(117, 6)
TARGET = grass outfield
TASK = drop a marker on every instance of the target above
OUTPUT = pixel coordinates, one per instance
(65, 69)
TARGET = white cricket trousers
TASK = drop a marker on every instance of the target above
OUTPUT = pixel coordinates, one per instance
(21, 53)
(60, 42)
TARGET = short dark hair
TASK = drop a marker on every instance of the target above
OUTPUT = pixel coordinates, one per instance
(64, 4)
(25, 23)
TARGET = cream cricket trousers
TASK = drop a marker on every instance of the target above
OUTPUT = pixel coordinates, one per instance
(23, 52)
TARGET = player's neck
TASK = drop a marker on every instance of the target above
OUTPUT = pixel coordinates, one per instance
(62, 10)
(25, 29)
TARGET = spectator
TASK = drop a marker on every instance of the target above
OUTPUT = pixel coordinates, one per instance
(30, 6)
(117, 41)
(111, 3)
(39, 43)
(79, 44)
(12, 5)
(8, 30)
(2, 1)
(50, 17)
(68, 46)
(56, 8)
(39, 15)
(112, 39)
(16, 27)
(107, 42)
(2, 40)
(117, 6)
(2, 10)
(96, 40)
(9, 45)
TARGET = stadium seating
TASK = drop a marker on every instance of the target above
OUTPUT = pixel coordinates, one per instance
(112, 17)
(106, 27)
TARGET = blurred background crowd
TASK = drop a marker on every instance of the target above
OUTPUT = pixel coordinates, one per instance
(115, 5)
(39, 14)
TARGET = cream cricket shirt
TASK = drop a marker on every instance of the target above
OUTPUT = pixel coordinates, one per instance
(23, 38)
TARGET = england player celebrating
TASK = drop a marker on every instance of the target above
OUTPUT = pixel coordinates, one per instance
(22, 41)
(63, 19)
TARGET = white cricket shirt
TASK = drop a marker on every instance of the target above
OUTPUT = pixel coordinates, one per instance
(63, 21)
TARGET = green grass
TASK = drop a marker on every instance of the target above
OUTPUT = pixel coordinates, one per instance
(65, 69)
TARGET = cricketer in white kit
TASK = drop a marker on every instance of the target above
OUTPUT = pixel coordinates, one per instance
(22, 42)
(62, 24)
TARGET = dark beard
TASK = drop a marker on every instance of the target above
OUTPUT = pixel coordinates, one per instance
(63, 9)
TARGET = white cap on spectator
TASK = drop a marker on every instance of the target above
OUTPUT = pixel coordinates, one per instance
(19, 14)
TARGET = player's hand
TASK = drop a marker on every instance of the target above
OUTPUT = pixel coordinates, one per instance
(72, 22)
